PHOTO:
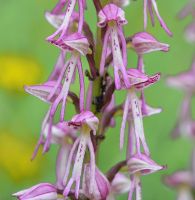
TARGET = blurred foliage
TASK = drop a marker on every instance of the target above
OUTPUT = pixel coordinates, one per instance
(26, 58)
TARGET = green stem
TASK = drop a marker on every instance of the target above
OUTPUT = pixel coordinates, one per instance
(98, 54)
(97, 83)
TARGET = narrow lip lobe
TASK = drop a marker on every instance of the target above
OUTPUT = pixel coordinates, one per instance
(75, 124)
(151, 80)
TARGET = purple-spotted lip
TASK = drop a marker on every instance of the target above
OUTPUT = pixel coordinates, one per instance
(75, 124)
(151, 80)
(61, 44)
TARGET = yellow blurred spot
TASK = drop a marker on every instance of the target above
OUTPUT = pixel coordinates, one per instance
(18, 71)
(15, 157)
(129, 45)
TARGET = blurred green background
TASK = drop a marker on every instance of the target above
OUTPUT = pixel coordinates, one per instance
(26, 58)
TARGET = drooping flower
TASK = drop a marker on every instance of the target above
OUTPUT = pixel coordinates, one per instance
(113, 17)
(138, 81)
(43, 191)
(78, 45)
(150, 6)
(101, 185)
(185, 124)
(139, 165)
(62, 30)
(144, 43)
(183, 181)
(42, 92)
(120, 185)
(87, 123)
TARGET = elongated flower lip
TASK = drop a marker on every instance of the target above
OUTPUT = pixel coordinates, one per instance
(141, 80)
(183, 81)
(42, 91)
(44, 191)
(85, 118)
(110, 13)
(143, 164)
(75, 41)
(101, 186)
(179, 178)
(143, 42)
(152, 80)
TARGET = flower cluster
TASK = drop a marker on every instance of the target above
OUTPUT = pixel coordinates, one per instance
(77, 174)
(183, 180)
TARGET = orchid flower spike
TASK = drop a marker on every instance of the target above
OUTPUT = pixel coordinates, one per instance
(62, 30)
(101, 185)
(138, 81)
(43, 191)
(112, 17)
(138, 165)
(151, 7)
(87, 123)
